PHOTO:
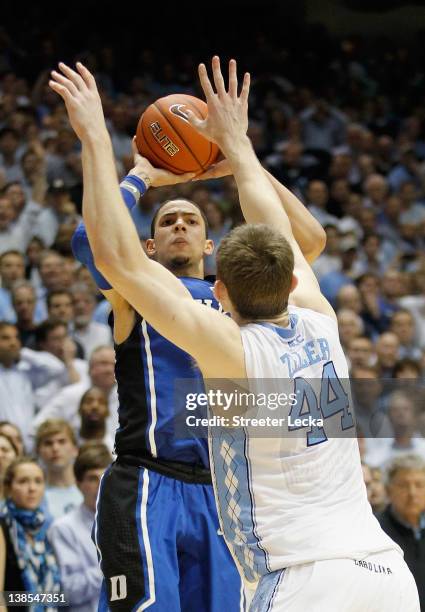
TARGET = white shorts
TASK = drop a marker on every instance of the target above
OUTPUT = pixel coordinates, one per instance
(381, 582)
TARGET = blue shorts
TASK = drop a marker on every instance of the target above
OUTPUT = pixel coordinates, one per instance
(160, 545)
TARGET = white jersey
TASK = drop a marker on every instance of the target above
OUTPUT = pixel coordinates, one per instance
(295, 495)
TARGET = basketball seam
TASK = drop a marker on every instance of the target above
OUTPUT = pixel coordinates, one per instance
(181, 137)
(160, 160)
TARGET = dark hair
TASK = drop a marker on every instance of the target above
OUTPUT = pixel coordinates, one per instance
(402, 364)
(256, 263)
(43, 329)
(155, 217)
(52, 294)
(11, 442)
(91, 456)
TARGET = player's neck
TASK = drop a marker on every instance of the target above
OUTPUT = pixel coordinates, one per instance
(191, 270)
(281, 320)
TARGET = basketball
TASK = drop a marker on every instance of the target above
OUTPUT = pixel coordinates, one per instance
(165, 136)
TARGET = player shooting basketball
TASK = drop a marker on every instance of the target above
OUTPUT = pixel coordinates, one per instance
(260, 271)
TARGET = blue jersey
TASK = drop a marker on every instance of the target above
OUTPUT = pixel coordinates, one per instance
(147, 366)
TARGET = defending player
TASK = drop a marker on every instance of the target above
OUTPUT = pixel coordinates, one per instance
(288, 511)
(196, 571)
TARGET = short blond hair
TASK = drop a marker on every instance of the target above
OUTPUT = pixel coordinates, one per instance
(51, 427)
(256, 264)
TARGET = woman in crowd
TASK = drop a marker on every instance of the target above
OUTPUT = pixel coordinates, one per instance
(27, 560)
(8, 452)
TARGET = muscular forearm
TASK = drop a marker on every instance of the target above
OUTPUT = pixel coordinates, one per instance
(308, 232)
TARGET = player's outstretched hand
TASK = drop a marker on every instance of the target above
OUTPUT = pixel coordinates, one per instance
(79, 92)
(227, 118)
(155, 177)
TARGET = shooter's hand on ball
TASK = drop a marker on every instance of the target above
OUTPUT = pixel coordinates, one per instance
(155, 177)
(79, 92)
(227, 120)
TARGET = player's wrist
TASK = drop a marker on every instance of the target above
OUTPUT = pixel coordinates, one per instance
(138, 184)
(233, 147)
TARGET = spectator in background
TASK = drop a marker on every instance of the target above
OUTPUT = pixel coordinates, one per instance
(349, 298)
(350, 326)
(16, 396)
(377, 309)
(376, 190)
(56, 447)
(404, 520)
(14, 433)
(378, 494)
(87, 332)
(331, 283)
(323, 127)
(407, 369)
(8, 452)
(403, 326)
(9, 154)
(66, 403)
(405, 170)
(329, 260)
(387, 349)
(52, 269)
(71, 534)
(360, 352)
(406, 439)
(94, 411)
(24, 302)
(27, 559)
(218, 227)
(59, 209)
(12, 237)
(26, 211)
(60, 306)
(12, 269)
(415, 303)
(34, 250)
(317, 198)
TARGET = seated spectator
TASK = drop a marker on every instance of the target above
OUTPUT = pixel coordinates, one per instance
(27, 559)
(66, 403)
(56, 447)
(415, 303)
(360, 352)
(387, 348)
(403, 326)
(403, 520)
(12, 269)
(60, 306)
(8, 452)
(350, 326)
(24, 302)
(332, 282)
(52, 269)
(329, 260)
(12, 236)
(33, 253)
(87, 332)
(349, 298)
(14, 434)
(407, 369)
(16, 394)
(373, 258)
(94, 411)
(377, 309)
(9, 154)
(71, 534)
(317, 198)
(378, 495)
(406, 439)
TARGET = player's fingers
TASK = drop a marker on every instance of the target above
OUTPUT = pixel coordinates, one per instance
(245, 87)
(59, 78)
(205, 82)
(72, 76)
(233, 79)
(86, 75)
(218, 77)
(186, 177)
(61, 90)
(194, 121)
(134, 148)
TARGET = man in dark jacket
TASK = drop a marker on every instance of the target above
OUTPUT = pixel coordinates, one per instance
(404, 519)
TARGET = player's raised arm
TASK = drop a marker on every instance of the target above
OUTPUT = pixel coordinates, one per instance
(151, 289)
(259, 200)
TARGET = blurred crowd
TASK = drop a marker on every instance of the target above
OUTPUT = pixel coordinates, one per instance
(345, 131)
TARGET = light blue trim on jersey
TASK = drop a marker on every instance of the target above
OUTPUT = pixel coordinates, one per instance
(266, 592)
(287, 333)
(232, 474)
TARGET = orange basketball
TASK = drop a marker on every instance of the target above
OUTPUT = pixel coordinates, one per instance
(166, 138)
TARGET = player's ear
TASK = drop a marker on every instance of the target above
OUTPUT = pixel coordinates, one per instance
(219, 290)
(294, 283)
(209, 247)
(150, 247)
